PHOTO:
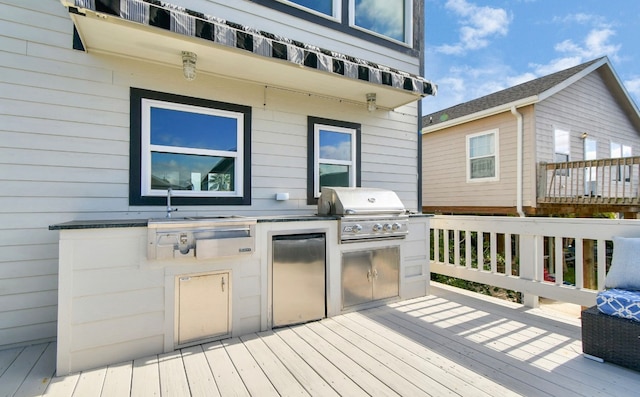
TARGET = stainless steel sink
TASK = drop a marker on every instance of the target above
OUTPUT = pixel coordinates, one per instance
(203, 237)
(198, 221)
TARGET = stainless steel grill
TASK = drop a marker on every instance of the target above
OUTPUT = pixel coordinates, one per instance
(365, 213)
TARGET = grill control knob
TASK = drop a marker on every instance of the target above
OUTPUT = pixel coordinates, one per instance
(396, 226)
(377, 227)
(387, 227)
(357, 228)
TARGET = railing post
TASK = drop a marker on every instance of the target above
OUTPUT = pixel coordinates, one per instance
(542, 180)
(529, 260)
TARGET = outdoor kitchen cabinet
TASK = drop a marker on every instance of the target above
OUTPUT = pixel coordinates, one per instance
(203, 307)
(369, 275)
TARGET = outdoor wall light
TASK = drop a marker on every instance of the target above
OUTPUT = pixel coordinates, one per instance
(584, 135)
(189, 65)
(371, 102)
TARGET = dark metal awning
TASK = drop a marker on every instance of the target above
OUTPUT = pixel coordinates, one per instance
(158, 32)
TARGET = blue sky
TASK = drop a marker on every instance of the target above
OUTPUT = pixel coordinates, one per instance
(476, 47)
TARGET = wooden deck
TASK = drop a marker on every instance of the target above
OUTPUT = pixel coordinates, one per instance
(451, 343)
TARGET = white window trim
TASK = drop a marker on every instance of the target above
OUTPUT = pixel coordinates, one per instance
(336, 9)
(318, 160)
(496, 153)
(147, 148)
(408, 24)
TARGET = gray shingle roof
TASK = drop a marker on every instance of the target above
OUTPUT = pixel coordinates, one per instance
(508, 95)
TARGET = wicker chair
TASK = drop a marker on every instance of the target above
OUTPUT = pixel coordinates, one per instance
(610, 338)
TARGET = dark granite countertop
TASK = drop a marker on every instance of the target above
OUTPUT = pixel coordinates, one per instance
(123, 223)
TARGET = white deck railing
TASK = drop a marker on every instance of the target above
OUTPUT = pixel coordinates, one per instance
(576, 253)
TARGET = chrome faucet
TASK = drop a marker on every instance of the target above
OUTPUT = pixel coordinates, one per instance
(169, 209)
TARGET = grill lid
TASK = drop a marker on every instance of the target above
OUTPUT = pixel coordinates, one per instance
(359, 201)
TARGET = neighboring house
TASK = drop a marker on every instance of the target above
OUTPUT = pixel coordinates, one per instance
(97, 120)
(538, 148)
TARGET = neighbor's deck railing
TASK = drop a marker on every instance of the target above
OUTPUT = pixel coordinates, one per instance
(516, 251)
(604, 181)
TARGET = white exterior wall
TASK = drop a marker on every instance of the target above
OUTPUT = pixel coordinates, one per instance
(64, 141)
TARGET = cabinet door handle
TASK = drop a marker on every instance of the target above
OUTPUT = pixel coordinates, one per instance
(369, 275)
(222, 284)
(375, 274)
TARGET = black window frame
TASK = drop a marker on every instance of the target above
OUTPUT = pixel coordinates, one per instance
(312, 121)
(135, 150)
(413, 48)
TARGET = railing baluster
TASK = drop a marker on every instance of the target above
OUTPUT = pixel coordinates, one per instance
(602, 263)
(446, 240)
(507, 254)
(456, 247)
(467, 249)
(579, 268)
(436, 245)
(493, 248)
(480, 250)
(559, 260)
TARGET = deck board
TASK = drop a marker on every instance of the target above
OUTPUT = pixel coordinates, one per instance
(225, 373)
(146, 377)
(283, 380)
(449, 343)
(18, 371)
(40, 375)
(252, 375)
(89, 383)
(301, 370)
(117, 381)
(201, 382)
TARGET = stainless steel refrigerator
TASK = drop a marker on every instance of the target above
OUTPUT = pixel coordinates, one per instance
(298, 278)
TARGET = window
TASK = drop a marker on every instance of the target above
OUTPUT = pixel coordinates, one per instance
(620, 151)
(590, 173)
(334, 155)
(482, 164)
(329, 8)
(562, 150)
(388, 23)
(198, 148)
(390, 18)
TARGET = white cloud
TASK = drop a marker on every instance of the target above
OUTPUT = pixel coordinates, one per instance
(555, 65)
(633, 86)
(479, 25)
(596, 44)
(583, 19)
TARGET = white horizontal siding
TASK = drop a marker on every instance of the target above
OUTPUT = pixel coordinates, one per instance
(64, 140)
(587, 106)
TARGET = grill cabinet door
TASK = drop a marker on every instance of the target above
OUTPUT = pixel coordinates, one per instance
(356, 278)
(386, 272)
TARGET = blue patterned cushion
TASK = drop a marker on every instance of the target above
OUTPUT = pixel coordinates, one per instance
(620, 303)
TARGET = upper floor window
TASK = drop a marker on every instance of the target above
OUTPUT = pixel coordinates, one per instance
(482, 158)
(329, 8)
(562, 149)
(195, 147)
(335, 156)
(390, 18)
(618, 151)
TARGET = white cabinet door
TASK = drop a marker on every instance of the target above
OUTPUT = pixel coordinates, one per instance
(203, 307)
